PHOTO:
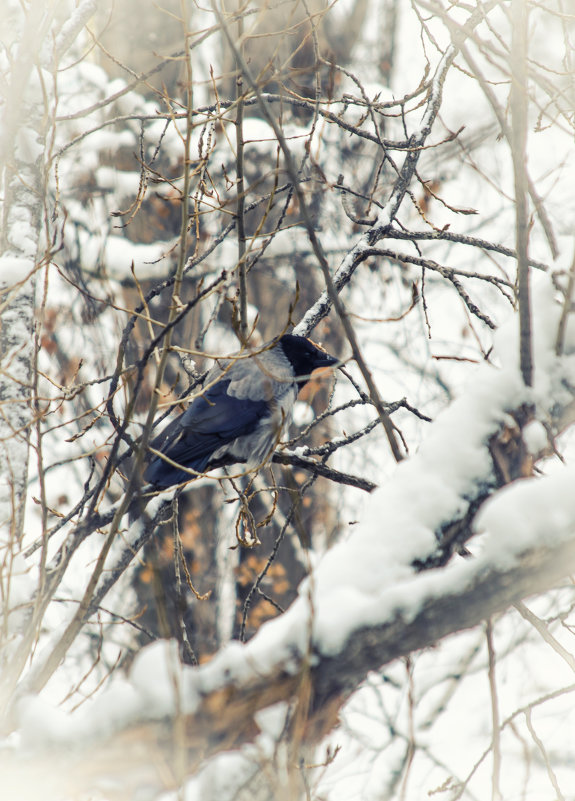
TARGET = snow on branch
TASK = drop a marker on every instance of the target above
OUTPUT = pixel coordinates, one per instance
(70, 30)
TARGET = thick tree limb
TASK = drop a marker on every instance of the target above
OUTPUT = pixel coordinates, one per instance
(143, 752)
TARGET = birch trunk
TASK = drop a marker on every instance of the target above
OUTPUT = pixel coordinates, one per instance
(21, 161)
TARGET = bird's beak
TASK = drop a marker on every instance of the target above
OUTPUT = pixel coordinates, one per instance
(325, 360)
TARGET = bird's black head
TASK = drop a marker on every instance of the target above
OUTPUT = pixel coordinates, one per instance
(304, 356)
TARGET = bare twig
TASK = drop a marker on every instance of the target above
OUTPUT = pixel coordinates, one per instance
(320, 469)
(540, 626)
(240, 196)
(566, 310)
(518, 151)
(496, 741)
(544, 755)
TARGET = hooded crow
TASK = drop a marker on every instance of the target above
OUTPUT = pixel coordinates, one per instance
(242, 414)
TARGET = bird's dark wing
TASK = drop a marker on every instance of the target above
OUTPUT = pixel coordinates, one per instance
(211, 421)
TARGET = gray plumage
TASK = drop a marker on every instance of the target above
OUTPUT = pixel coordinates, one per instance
(243, 412)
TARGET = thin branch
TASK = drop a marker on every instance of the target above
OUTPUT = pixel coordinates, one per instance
(320, 469)
(519, 154)
(540, 626)
(496, 739)
(240, 197)
(566, 310)
(545, 756)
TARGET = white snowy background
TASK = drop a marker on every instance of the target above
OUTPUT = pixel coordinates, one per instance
(422, 726)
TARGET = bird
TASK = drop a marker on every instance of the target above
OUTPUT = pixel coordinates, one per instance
(240, 416)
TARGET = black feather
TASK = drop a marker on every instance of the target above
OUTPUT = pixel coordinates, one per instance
(211, 421)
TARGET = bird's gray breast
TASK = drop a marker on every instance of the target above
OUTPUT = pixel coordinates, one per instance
(267, 376)
(264, 376)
